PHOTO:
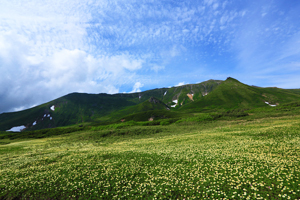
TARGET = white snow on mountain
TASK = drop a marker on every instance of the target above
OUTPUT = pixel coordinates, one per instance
(270, 104)
(17, 128)
(174, 101)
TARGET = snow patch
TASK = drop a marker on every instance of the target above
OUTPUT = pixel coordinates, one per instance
(45, 115)
(52, 108)
(48, 115)
(270, 104)
(50, 118)
(17, 128)
(174, 101)
(34, 123)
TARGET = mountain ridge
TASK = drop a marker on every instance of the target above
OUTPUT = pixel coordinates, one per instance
(207, 96)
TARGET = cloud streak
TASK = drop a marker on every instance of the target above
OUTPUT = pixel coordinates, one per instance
(51, 48)
(26, 78)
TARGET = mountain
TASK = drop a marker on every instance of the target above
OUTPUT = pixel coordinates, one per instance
(232, 94)
(151, 104)
(76, 108)
(70, 109)
(174, 102)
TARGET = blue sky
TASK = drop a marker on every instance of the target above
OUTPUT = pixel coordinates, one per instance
(52, 48)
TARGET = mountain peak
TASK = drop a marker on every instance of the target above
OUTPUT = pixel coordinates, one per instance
(231, 79)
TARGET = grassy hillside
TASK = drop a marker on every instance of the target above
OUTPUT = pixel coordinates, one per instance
(70, 109)
(198, 91)
(232, 94)
(79, 108)
(251, 157)
(152, 104)
(183, 101)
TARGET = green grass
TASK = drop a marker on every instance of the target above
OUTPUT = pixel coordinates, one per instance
(95, 109)
(232, 94)
(152, 105)
(226, 145)
(246, 157)
(77, 108)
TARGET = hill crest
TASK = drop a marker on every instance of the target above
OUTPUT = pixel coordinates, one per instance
(82, 108)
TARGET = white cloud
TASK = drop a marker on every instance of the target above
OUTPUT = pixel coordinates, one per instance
(46, 26)
(242, 13)
(223, 19)
(180, 84)
(209, 2)
(215, 6)
(136, 87)
(123, 61)
(157, 68)
(50, 48)
(26, 80)
(45, 52)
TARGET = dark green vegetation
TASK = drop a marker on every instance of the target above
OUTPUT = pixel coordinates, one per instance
(248, 154)
(98, 109)
(232, 94)
(77, 108)
(228, 144)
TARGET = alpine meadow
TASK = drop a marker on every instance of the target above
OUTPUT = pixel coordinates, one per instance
(149, 99)
(211, 140)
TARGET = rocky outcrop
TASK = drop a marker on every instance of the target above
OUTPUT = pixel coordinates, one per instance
(190, 96)
(153, 100)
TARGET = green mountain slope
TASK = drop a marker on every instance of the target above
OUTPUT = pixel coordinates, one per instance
(232, 94)
(70, 109)
(174, 102)
(77, 108)
(152, 104)
(167, 95)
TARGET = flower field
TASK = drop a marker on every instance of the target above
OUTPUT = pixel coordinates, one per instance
(255, 159)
